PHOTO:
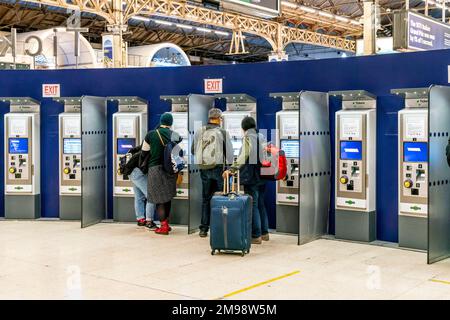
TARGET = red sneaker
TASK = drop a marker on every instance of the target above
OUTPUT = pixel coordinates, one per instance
(141, 222)
(164, 229)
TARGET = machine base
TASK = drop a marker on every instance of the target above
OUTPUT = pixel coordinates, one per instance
(123, 209)
(70, 207)
(22, 206)
(356, 225)
(287, 219)
(413, 232)
(180, 212)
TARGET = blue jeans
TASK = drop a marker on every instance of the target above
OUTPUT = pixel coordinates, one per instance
(212, 181)
(142, 207)
(260, 220)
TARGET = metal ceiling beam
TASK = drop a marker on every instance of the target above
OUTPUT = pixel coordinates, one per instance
(275, 33)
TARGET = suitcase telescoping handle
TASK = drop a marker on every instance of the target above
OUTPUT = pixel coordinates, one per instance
(229, 184)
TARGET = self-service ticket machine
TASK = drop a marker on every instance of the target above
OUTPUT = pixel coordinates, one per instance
(129, 129)
(287, 139)
(179, 111)
(238, 106)
(413, 168)
(22, 159)
(355, 167)
(70, 159)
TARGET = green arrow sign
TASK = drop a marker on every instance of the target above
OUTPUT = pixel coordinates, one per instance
(18, 188)
(73, 189)
(415, 208)
(180, 192)
(126, 190)
(290, 197)
(350, 202)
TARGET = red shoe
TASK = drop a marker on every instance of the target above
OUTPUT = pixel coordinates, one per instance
(141, 222)
(164, 229)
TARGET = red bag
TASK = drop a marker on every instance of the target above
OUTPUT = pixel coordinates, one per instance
(274, 165)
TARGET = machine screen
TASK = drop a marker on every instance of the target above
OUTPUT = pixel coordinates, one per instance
(125, 144)
(237, 144)
(18, 145)
(415, 151)
(351, 150)
(291, 148)
(72, 146)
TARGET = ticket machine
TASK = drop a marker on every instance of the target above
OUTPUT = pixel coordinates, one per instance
(129, 129)
(179, 111)
(238, 106)
(287, 139)
(22, 159)
(70, 159)
(355, 168)
(413, 168)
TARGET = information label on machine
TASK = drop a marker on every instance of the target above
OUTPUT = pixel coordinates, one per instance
(233, 127)
(289, 127)
(18, 126)
(415, 127)
(351, 127)
(72, 126)
(179, 126)
(125, 127)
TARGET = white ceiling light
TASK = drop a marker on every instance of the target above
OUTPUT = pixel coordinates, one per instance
(222, 33)
(166, 23)
(342, 19)
(184, 26)
(289, 4)
(141, 18)
(203, 29)
(325, 14)
(307, 9)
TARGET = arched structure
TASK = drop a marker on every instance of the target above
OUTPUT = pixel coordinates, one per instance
(164, 54)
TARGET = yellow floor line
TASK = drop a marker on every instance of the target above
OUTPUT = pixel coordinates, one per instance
(259, 284)
(439, 281)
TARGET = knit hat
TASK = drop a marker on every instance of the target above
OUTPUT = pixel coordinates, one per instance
(248, 123)
(166, 119)
(214, 113)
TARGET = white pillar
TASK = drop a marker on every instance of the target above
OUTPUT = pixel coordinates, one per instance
(369, 31)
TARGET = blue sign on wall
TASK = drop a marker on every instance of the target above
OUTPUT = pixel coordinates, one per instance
(425, 33)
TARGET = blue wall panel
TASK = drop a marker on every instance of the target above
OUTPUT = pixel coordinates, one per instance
(377, 74)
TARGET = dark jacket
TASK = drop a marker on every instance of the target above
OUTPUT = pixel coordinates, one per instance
(152, 144)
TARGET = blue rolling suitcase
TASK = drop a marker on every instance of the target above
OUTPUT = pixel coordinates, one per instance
(231, 221)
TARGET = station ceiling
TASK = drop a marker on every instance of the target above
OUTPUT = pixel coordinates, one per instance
(26, 16)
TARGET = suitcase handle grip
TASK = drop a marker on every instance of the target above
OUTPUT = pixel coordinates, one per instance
(227, 189)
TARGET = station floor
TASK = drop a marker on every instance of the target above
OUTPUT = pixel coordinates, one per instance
(58, 260)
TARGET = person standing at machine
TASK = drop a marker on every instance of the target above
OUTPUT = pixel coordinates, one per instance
(213, 149)
(248, 163)
(143, 208)
(161, 185)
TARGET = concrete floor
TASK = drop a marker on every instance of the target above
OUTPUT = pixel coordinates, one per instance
(58, 260)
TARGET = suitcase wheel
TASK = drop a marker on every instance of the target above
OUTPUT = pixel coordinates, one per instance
(213, 252)
(243, 253)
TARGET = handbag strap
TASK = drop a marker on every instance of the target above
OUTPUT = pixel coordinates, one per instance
(160, 138)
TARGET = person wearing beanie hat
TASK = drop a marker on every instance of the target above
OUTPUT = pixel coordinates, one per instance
(212, 149)
(166, 119)
(247, 165)
(161, 185)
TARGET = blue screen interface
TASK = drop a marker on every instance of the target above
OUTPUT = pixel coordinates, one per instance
(291, 148)
(415, 151)
(72, 146)
(125, 144)
(351, 150)
(18, 145)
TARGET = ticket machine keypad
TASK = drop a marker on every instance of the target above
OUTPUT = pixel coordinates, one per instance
(351, 176)
(415, 179)
(71, 167)
(18, 167)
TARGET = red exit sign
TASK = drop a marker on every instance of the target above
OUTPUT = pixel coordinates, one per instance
(51, 90)
(213, 85)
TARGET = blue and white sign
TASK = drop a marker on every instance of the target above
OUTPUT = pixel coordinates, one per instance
(426, 33)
